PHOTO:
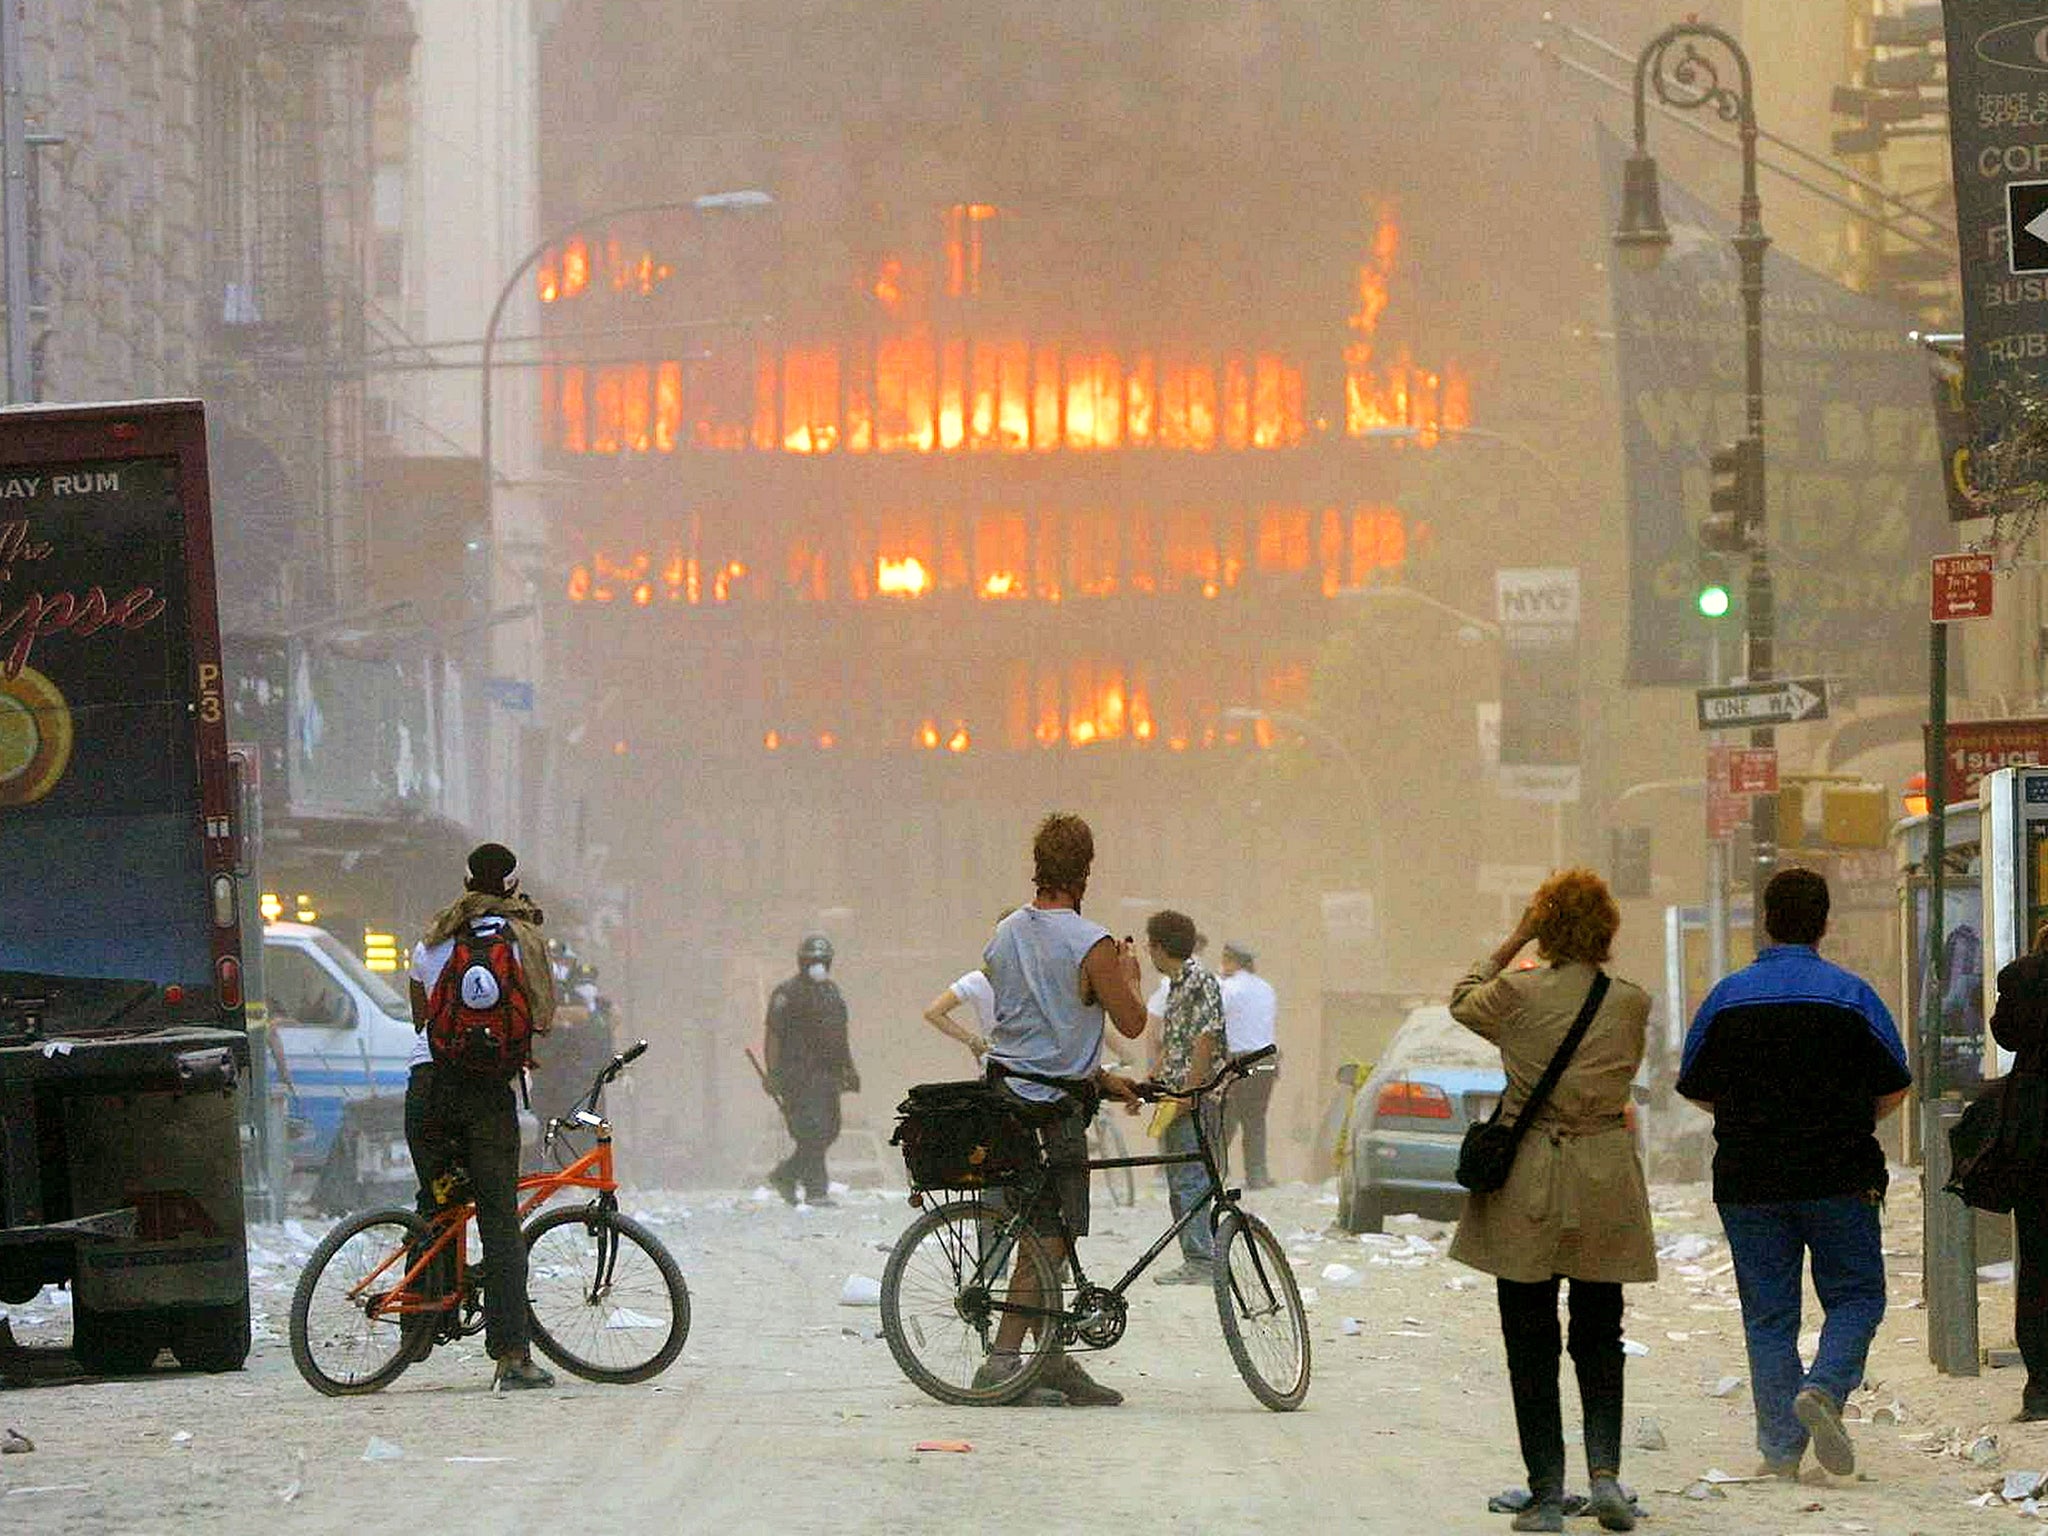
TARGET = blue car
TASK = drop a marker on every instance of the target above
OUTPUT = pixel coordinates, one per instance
(1408, 1119)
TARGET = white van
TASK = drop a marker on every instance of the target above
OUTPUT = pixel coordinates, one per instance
(344, 1031)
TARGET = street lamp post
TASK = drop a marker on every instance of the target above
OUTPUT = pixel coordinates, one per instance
(486, 439)
(1683, 77)
(485, 426)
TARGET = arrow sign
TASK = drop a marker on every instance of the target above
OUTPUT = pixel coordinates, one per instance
(1785, 701)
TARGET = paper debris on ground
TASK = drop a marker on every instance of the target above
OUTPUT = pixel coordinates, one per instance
(860, 1291)
(1727, 1386)
(1631, 1347)
(182, 1438)
(1685, 1249)
(1649, 1435)
(1998, 1274)
(1339, 1274)
(961, 1446)
(1350, 1326)
(2021, 1485)
(382, 1450)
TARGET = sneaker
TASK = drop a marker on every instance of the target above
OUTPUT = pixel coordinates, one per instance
(1193, 1272)
(996, 1370)
(1832, 1447)
(1542, 1515)
(1610, 1505)
(784, 1186)
(1081, 1390)
(1774, 1466)
(517, 1373)
(2032, 1411)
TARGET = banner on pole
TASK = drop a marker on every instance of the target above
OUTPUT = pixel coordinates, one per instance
(1854, 488)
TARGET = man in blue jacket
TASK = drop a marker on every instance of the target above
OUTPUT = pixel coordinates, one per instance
(1797, 1060)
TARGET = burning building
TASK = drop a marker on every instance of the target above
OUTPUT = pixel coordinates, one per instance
(931, 496)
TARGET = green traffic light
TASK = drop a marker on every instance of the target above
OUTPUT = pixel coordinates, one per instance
(1713, 600)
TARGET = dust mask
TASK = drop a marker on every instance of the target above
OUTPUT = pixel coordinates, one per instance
(815, 970)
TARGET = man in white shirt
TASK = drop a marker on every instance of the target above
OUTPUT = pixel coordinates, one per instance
(1250, 1011)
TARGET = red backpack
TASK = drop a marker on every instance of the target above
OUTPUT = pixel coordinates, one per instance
(478, 1017)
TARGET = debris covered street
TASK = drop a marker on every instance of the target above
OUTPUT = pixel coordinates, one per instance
(787, 1414)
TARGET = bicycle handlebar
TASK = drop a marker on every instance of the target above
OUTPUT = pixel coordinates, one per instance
(1233, 1066)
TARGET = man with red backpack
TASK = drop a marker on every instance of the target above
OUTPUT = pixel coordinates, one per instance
(481, 990)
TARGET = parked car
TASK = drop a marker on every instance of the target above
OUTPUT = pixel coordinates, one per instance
(1408, 1118)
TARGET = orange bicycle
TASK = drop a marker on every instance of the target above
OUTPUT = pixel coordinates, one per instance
(607, 1301)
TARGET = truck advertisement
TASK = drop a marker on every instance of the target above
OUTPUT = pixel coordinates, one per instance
(121, 1026)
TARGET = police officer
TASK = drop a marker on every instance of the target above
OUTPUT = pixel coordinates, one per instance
(808, 1065)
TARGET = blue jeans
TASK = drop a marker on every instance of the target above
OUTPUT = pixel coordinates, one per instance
(1769, 1244)
(1186, 1183)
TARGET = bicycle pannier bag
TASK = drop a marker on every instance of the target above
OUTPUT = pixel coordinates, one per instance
(961, 1136)
(478, 1016)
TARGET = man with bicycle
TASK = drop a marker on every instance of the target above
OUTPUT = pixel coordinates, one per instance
(1056, 975)
(459, 1108)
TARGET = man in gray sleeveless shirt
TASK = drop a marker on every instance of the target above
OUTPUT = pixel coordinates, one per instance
(1056, 975)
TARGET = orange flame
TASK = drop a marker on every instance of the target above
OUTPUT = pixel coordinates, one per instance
(901, 578)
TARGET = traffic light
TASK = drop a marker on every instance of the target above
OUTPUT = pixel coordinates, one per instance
(1711, 596)
(1735, 497)
(1916, 26)
(1888, 97)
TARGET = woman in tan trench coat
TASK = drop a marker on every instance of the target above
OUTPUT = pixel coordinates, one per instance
(1574, 1206)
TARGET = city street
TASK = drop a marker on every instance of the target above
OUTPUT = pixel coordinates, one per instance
(786, 1412)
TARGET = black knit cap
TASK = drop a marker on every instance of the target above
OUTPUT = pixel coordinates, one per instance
(490, 864)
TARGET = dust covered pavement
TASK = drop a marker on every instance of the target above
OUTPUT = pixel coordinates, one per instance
(787, 1413)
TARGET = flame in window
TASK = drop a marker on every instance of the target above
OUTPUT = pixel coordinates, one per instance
(934, 380)
(575, 268)
(901, 578)
(1044, 555)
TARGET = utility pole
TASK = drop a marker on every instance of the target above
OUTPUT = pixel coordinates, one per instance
(14, 199)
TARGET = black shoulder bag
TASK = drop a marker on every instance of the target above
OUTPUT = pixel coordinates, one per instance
(1488, 1152)
(1998, 1148)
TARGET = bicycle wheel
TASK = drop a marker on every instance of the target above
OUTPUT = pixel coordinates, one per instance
(1105, 1140)
(339, 1344)
(1261, 1308)
(606, 1300)
(941, 1324)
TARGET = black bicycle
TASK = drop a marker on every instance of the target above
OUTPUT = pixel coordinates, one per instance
(975, 1281)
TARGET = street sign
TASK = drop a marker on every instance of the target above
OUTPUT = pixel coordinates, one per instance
(1997, 65)
(511, 693)
(1753, 771)
(1962, 587)
(1978, 747)
(1542, 595)
(1539, 721)
(1785, 701)
(1726, 810)
(2026, 217)
(1557, 784)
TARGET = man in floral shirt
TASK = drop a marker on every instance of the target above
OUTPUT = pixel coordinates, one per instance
(1190, 1050)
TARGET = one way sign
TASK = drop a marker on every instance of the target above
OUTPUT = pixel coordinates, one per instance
(1784, 701)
